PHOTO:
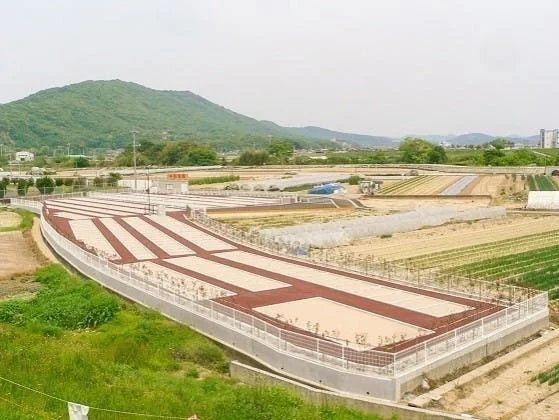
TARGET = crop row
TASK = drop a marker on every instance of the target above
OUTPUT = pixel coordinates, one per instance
(400, 187)
(465, 255)
(551, 376)
(537, 268)
(541, 183)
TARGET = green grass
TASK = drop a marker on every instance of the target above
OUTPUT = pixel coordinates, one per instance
(77, 342)
(26, 222)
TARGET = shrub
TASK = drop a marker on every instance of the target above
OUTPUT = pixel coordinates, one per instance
(354, 180)
(22, 186)
(192, 373)
(64, 302)
(46, 185)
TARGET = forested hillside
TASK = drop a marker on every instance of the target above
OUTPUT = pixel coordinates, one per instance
(103, 113)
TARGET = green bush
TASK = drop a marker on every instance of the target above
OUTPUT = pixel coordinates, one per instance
(354, 180)
(46, 185)
(63, 302)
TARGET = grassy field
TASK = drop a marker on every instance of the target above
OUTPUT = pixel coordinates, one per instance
(76, 342)
(26, 222)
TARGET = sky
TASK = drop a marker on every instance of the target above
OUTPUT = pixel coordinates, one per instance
(380, 67)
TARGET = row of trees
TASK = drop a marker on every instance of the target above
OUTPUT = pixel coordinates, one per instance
(279, 152)
(168, 153)
(47, 184)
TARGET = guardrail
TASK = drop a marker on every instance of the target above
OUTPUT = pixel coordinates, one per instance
(463, 287)
(324, 351)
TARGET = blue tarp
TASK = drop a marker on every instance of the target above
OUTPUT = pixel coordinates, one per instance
(326, 189)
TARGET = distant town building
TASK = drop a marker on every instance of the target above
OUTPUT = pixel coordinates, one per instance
(548, 138)
(24, 156)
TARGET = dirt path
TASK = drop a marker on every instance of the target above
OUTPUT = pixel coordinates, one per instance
(40, 241)
(509, 392)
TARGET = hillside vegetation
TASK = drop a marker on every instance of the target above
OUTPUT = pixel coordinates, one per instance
(103, 113)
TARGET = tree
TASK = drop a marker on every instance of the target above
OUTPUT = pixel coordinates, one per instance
(499, 143)
(81, 162)
(282, 151)
(253, 157)
(493, 156)
(22, 186)
(415, 150)
(437, 155)
(114, 177)
(200, 156)
(98, 181)
(3, 187)
(45, 185)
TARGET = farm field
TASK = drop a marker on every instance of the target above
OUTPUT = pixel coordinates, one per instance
(513, 391)
(247, 220)
(541, 183)
(407, 245)
(538, 268)
(476, 253)
(16, 255)
(421, 185)
(496, 186)
(530, 261)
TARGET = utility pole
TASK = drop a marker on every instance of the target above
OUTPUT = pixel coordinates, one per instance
(149, 185)
(134, 158)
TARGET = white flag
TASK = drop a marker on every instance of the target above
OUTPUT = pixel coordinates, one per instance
(77, 411)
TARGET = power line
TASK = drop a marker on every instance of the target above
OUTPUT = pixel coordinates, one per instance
(108, 410)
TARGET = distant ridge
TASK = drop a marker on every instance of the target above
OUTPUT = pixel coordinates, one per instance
(101, 114)
(357, 139)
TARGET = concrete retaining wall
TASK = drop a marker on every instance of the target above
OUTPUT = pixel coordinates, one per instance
(475, 352)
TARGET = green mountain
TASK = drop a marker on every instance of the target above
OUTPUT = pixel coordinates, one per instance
(363, 140)
(102, 114)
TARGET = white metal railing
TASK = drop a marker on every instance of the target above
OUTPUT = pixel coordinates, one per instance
(315, 349)
(501, 294)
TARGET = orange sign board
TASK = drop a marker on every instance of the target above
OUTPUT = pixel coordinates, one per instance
(178, 176)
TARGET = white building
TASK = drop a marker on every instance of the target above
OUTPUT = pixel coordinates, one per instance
(24, 156)
(548, 138)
